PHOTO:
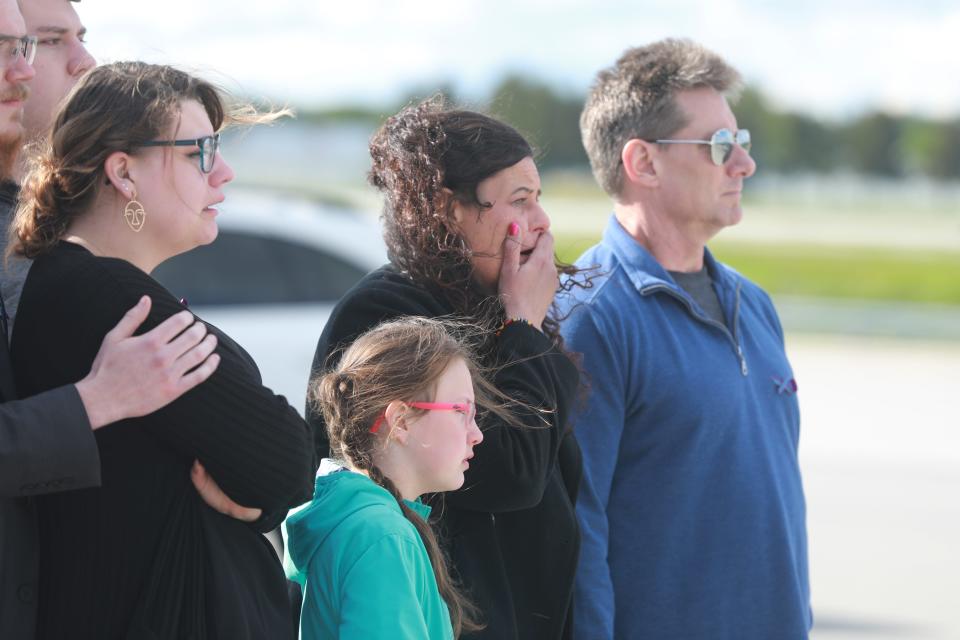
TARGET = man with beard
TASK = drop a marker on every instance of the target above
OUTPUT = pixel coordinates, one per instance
(46, 441)
(61, 59)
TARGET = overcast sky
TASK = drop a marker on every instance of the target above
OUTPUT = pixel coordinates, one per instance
(831, 57)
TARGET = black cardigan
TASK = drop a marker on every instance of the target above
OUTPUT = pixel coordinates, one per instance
(511, 531)
(143, 556)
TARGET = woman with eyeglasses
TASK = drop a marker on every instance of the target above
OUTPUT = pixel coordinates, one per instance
(131, 177)
(467, 237)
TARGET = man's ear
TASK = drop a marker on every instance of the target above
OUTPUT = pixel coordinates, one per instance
(117, 168)
(638, 162)
(395, 417)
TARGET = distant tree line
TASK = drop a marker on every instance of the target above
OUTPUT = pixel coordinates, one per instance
(874, 143)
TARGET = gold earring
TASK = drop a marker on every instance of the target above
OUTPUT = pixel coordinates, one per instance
(134, 214)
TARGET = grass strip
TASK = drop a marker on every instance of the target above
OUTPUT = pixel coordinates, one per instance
(902, 275)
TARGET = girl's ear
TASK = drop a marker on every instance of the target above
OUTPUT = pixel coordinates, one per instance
(396, 423)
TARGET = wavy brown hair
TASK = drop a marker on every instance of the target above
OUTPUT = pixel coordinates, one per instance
(114, 107)
(401, 360)
(417, 154)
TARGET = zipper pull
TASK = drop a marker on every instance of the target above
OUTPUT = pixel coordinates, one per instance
(743, 361)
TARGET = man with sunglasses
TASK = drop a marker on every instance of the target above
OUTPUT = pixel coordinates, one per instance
(46, 441)
(691, 505)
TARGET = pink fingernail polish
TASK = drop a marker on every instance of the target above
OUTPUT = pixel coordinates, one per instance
(514, 229)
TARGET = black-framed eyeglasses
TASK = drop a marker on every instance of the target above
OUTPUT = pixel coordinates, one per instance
(12, 47)
(721, 144)
(208, 146)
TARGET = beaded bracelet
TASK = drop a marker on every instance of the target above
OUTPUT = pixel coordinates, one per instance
(510, 321)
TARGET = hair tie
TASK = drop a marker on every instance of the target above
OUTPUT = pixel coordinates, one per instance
(344, 384)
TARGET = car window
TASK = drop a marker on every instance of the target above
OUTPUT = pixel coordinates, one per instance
(243, 268)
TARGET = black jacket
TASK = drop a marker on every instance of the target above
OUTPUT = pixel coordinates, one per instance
(511, 531)
(46, 445)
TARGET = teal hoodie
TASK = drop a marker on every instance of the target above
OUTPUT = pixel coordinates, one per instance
(363, 566)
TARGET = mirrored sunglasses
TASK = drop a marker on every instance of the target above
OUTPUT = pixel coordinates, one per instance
(721, 144)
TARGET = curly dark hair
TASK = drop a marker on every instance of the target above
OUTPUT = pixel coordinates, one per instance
(420, 156)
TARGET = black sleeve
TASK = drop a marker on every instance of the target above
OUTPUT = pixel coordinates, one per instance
(251, 441)
(46, 444)
(512, 464)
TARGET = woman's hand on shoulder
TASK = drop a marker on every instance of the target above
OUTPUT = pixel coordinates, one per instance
(527, 289)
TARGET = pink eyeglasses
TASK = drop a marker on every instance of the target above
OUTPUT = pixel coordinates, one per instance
(468, 409)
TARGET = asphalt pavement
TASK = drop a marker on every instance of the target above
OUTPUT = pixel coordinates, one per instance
(880, 453)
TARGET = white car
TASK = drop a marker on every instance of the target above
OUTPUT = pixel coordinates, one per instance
(272, 277)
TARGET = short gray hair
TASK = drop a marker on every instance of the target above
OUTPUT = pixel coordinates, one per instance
(635, 99)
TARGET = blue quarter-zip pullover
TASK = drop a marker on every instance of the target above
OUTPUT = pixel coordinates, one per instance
(692, 507)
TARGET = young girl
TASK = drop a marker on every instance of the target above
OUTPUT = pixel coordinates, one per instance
(400, 411)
